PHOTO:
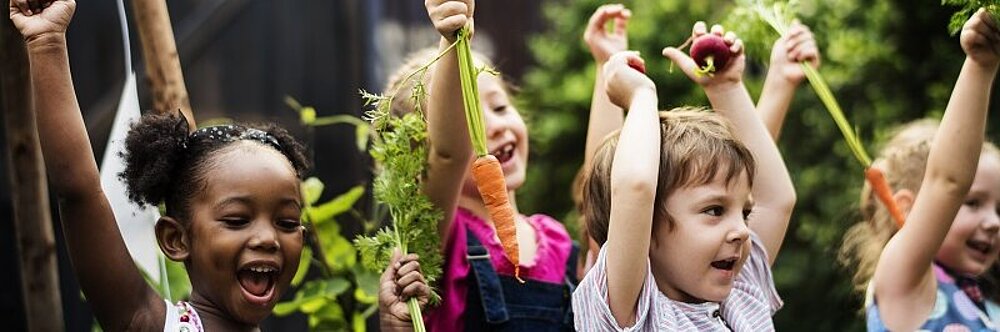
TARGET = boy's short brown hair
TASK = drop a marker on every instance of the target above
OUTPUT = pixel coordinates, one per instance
(696, 145)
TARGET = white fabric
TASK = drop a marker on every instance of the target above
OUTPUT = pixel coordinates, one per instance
(134, 222)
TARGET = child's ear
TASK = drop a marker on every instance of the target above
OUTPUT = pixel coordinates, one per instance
(904, 200)
(173, 239)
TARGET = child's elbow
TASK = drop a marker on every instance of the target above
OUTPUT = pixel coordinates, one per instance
(634, 185)
(786, 202)
(449, 159)
(949, 184)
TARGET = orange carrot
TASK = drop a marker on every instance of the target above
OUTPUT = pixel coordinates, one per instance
(884, 193)
(492, 186)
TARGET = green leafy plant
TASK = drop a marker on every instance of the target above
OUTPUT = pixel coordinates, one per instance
(399, 149)
(343, 294)
(401, 152)
(321, 299)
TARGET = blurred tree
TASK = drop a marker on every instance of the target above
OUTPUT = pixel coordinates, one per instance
(888, 62)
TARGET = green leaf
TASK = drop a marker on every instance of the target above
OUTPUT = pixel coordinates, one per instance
(328, 288)
(285, 308)
(304, 261)
(292, 103)
(180, 284)
(343, 203)
(361, 137)
(313, 305)
(367, 286)
(307, 115)
(340, 254)
(358, 322)
(328, 318)
(312, 189)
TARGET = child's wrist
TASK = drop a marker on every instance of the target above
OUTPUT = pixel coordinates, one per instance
(986, 67)
(723, 87)
(46, 42)
(643, 94)
(445, 41)
(793, 82)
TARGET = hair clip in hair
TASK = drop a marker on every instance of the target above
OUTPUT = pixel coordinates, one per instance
(182, 126)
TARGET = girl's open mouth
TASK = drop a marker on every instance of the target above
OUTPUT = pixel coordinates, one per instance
(504, 153)
(257, 282)
(980, 246)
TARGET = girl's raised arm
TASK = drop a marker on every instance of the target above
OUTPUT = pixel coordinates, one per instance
(450, 146)
(112, 283)
(784, 74)
(605, 117)
(773, 193)
(904, 282)
(633, 184)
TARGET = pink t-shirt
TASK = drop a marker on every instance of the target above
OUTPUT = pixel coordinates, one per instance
(554, 245)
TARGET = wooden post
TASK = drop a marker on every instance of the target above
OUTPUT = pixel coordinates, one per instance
(163, 65)
(32, 222)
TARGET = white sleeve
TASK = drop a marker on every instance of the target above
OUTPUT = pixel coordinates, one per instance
(757, 271)
(591, 311)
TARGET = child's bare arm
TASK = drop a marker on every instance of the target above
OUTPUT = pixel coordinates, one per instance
(904, 280)
(784, 74)
(633, 184)
(773, 193)
(605, 117)
(112, 283)
(450, 146)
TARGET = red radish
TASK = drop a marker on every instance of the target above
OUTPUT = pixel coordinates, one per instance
(711, 54)
(637, 65)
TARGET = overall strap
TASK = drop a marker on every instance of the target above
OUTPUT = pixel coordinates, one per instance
(571, 281)
(487, 282)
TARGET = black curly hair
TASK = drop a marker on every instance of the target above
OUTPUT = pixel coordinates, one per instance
(164, 164)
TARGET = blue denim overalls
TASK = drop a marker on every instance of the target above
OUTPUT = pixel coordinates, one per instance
(501, 303)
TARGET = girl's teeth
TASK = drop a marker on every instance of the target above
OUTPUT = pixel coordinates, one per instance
(262, 269)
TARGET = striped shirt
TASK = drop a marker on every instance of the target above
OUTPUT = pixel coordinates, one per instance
(748, 307)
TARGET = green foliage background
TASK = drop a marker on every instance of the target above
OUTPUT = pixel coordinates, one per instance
(888, 62)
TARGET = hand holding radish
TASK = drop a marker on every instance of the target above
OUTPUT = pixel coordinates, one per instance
(401, 281)
(38, 18)
(728, 66)
(796, 46)
(980, 40)
(449, 16)
(602, 42)
(625, 77)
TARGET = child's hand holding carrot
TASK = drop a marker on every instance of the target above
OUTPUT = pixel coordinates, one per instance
(401, 281)
(980, 40)
(449, 16)
(797, 45)
(785, 73)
